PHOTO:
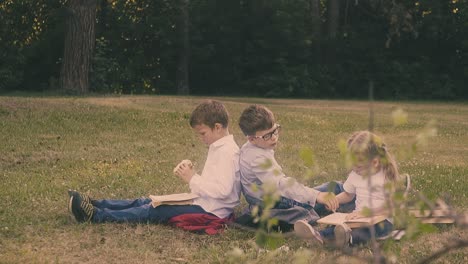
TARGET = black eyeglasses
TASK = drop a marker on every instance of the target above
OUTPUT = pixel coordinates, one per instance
(268, 136)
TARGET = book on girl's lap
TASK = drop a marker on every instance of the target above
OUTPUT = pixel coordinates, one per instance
(340, 218)
(173, 199)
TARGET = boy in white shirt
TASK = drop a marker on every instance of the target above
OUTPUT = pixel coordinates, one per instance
(218, 186)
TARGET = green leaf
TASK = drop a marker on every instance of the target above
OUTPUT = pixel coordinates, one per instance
(427, 228)
(346, 156)
(342, 146)
(331, 187)
(255, 210)
(307, 156)
(366, 212)
(267, 164)
(272, 222)
(268, 241)
(399, 117)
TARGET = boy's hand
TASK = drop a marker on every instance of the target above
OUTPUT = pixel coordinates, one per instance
(329, 200)
(188, 162)
(185, 170)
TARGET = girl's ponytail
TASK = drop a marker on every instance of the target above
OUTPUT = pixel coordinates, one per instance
(371, 145)
(389, 165)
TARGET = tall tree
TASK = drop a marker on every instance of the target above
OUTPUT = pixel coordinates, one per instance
(315, 17)
(316, 25)
(79, 46)
(333, 22)
(182, 75)
(333, 18)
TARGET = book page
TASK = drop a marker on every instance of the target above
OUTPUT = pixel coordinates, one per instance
(340, 218)
(333, 219)
(173, 199)
(441, 216)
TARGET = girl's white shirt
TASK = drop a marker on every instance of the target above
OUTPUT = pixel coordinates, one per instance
(370, 191)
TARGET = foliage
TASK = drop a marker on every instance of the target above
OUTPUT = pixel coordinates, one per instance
(135, 51)
(31, 41)
(411, 49)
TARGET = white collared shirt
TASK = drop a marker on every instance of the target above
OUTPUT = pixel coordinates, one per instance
(219, 183)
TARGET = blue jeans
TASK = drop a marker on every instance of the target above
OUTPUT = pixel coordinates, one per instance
(139, 211)
(361, 235)
(290, 211)
(334, 187)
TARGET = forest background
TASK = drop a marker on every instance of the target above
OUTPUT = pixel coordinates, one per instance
(405, 49)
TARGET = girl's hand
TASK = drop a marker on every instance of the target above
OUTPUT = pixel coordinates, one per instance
(329, 200)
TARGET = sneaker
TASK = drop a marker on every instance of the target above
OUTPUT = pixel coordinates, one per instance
(80, 207)
(305, 230)
(342, 236)
(84, 196)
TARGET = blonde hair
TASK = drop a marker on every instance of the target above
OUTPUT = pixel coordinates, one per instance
(371, 146)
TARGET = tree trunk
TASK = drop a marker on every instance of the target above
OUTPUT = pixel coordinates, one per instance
(79, 46)
(315, 17)
(182, 75)
(333, 18)
(316, 28)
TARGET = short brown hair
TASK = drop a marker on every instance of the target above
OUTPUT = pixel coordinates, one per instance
(209, 113)
(256, 118)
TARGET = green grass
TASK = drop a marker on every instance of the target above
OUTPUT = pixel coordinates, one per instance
(126, 147)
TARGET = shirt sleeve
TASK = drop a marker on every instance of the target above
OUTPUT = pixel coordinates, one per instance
(348, 185)
(218, 176)
(268, 172)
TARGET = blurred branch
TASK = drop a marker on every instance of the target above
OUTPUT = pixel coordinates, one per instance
(371, 106)
(452, 245)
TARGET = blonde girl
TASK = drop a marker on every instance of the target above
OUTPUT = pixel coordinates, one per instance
(373, 168)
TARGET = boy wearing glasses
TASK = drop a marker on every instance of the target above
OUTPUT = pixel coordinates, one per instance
(217, 187)
(260, 173)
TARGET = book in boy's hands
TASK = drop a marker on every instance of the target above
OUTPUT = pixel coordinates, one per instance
(340, 218)
(173, 199)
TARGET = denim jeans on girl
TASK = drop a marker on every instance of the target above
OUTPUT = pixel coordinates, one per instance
(361, 235)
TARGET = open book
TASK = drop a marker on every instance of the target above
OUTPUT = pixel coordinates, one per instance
(173, 199)
(435, 216)
(340, 218)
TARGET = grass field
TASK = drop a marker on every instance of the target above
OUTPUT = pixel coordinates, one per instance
(126, 147)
